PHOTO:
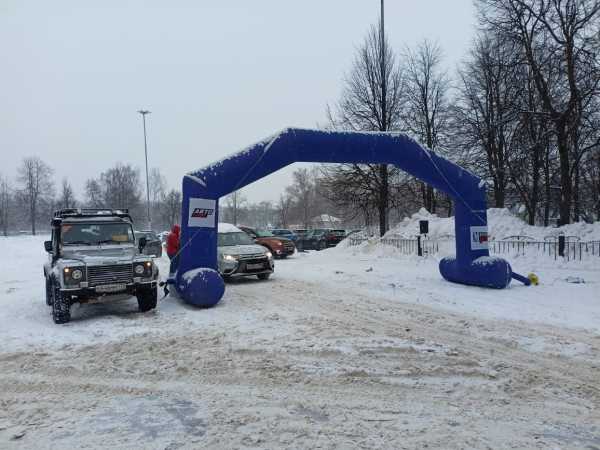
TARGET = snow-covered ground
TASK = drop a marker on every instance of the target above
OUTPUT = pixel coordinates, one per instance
(352, 347)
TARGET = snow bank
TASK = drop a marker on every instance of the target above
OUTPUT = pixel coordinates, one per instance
(501, 222)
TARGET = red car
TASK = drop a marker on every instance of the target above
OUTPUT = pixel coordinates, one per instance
(279, 246)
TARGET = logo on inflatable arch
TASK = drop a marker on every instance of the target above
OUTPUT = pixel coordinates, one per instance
(479, 238)
(202, 213)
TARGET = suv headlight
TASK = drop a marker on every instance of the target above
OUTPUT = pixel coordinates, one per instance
(73, 275)
(230, 258)
(143, 269)
(269, 255)
(77, 274)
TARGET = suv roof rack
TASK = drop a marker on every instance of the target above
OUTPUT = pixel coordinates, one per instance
(92, 212)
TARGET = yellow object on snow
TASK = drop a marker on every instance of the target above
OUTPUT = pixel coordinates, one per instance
(534, 279)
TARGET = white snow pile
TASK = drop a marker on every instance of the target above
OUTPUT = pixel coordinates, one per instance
(501, 222)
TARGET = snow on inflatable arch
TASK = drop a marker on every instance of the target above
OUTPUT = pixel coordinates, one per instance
(197, 279)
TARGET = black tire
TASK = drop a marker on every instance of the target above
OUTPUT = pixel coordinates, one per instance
(321, 245)
(147, 299)
(263, 276)
(61, 307)
(48, 292)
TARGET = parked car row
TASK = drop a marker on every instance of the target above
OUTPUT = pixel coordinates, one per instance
(246, 251)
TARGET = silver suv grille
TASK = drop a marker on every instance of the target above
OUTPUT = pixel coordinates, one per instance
(252, 256)
(118, 273)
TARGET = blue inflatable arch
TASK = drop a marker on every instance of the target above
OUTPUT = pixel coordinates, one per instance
(197, 279)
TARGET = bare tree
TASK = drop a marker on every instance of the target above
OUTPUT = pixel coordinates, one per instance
(93, 192)
(488, 110)
(67, 197)
(5, 203)
(559, 43)
(284, 207)
(117, 187)
(371, 101)
(158, 186)
(302, 192)
(35, 178)
(234, 202)
(426, 112)
(171, 207)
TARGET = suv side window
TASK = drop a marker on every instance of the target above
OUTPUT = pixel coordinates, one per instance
(54, 241)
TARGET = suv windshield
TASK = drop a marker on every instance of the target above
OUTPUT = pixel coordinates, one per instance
(229, 239)
(96, 233)
(150, 235)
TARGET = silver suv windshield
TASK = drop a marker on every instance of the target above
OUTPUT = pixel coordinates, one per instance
(230, 239)
(96, 233)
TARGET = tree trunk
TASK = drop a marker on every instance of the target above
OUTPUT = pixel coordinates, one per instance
(576, 202)
(566, 191)
(383, 199)
(33, 214)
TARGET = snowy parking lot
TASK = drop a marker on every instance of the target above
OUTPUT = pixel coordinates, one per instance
(347, 348)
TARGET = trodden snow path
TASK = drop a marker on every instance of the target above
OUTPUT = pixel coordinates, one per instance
(326, 354)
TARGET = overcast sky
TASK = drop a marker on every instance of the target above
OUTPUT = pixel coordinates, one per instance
(216, 75)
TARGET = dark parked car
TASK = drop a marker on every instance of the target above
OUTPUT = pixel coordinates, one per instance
(288, 234)
(333, 237)
(314, 239)
(153, 243)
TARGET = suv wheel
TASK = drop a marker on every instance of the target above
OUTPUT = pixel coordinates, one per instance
(321, 245)
(61, 308)
(263, 276)
(48, 292)
(147, 299)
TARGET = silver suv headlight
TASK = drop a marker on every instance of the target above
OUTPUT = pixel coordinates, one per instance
(230, 258)
(73, 275)
(143, 269)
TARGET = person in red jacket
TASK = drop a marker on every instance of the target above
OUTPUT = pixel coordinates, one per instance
(173, 247)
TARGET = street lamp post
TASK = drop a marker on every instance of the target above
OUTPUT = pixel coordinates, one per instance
(143, 113)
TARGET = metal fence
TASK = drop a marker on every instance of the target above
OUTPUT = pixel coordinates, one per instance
(573, 249)
(406, 246)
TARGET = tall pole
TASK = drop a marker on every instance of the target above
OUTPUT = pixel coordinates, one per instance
(143, 113)
(383, 74)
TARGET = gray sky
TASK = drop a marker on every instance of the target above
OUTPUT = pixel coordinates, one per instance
(216, 75)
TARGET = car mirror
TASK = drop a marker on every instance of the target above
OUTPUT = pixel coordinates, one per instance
(142, 243)
(48, 246)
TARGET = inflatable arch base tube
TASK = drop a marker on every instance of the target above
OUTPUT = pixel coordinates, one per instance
(485, 271)
(202, 287)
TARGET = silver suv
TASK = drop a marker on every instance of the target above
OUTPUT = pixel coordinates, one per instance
(239, 256)
(92, 257)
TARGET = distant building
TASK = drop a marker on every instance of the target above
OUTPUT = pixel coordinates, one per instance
(326, 221)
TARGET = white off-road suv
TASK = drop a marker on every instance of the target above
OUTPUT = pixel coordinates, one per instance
(92, 257)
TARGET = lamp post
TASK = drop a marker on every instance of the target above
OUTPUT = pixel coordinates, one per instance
(143, 113)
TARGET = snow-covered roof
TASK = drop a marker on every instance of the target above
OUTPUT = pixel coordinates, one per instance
(326, 218)
(228, 228)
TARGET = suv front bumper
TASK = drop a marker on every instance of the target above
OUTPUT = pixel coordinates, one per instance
(91, 292)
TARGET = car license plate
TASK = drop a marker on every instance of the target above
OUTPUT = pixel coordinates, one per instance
(254, 266)
(105, 288)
